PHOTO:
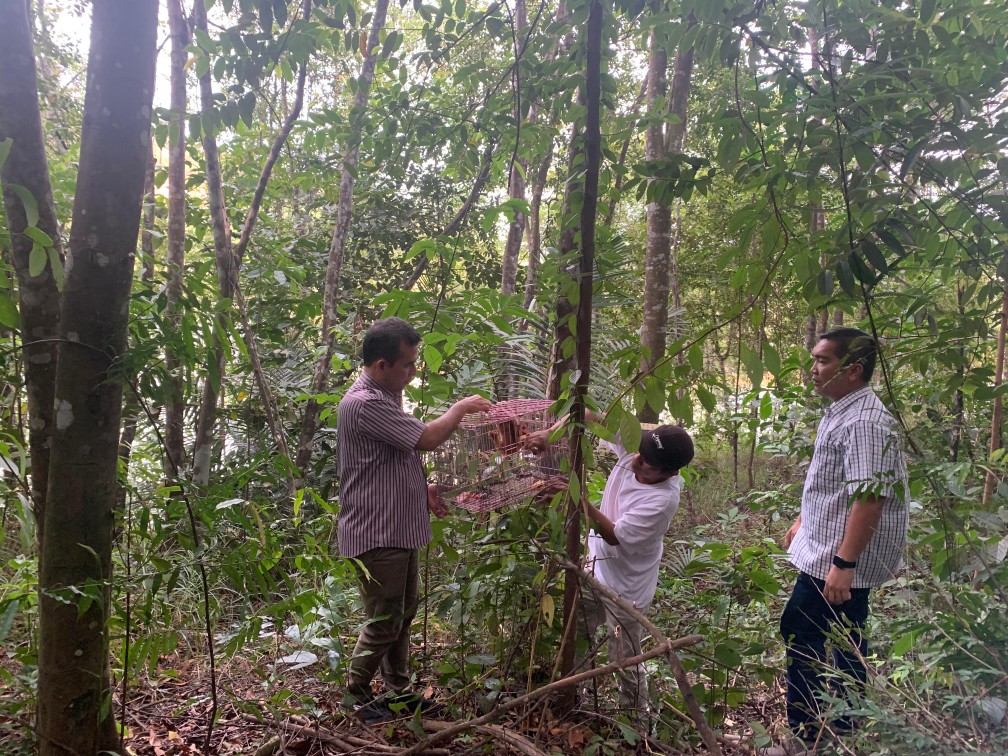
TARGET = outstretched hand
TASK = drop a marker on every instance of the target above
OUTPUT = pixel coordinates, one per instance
(474, 403)
(535, 442)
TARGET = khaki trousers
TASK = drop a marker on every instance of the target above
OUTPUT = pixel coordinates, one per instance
(389, 586)
(623, 641)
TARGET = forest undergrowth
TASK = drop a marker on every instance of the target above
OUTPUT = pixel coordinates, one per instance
(285, 615)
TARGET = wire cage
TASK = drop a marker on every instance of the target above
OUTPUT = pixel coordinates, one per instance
(482, 466)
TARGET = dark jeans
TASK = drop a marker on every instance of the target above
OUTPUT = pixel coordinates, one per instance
(807, 622)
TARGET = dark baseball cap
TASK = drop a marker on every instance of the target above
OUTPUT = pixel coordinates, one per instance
(667, 447)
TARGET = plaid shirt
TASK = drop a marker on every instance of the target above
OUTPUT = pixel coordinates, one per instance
(857, 454)
(383, 487)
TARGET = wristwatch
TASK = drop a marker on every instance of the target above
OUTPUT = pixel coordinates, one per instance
(843, 564)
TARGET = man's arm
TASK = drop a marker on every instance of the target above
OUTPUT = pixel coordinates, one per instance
(537, 441)
(603, 525)
(437, 431)
(862, 521)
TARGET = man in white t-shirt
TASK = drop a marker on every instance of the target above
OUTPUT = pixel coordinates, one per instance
(641, 496)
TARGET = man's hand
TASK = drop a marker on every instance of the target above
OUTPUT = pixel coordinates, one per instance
(792, 532)
(437, 431)
(474, 403)
(536, 442)
(838, 585)
(435, 503)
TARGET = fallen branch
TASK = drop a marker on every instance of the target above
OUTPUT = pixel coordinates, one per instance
(682, 679)
(662, 649)
(512, 739)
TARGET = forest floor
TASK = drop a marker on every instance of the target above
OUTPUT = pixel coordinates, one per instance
(264, 708)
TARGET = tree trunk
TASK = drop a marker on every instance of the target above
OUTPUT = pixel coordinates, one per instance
(593, 159)
(225, 264)
(334, 267)
(76, 564)
(26, 166)
(519, 165)
(534, 232)
(131, 403)
(175, 405)
(661, 276)
(996, 415)
(562, 357)
(654, 326)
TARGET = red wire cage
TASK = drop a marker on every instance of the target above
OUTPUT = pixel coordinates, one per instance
(483, 467)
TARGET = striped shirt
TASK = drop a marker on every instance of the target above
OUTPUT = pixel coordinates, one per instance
(857, 453)
(383, 487)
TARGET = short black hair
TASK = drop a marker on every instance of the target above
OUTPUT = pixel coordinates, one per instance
(667, 447)
(854, 347)
(384, 340)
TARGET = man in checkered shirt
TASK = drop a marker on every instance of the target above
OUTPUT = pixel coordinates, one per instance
(850, 535)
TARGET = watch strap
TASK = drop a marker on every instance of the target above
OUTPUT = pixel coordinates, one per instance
(842, 563)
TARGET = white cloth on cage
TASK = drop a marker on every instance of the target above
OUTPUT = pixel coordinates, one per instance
(642, 513)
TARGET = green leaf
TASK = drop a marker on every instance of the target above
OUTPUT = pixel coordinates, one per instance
(265, 8)
(765, 407)
(36, 260)
(695, 357)
(246, 108)
(28, 200)
(874, 255)
(7, 618)
(900, 647)
(390, 44)
(432, 357)
(707, 399)
(655, 394)
(753, 365)
(280, 11)
(630, 432)
(727, 654)
(5, 147)
(57, 267)
(824, 282)
(771, 359)
(846, 278)
(861, 271)
(9, 316)
(38, 236)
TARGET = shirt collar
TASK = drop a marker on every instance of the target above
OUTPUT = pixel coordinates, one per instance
(841, 404)
(370, 383)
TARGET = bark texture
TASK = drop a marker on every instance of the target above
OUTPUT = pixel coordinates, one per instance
(658, 239)
(175, 406)
(661, 266)
(519, 166)
(75, 568)
(586, 271)
(25, 180)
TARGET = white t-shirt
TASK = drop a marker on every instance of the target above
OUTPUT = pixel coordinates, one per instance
(642, 513)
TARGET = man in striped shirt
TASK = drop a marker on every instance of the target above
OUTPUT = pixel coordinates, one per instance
(850, 535)
(385, 506)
